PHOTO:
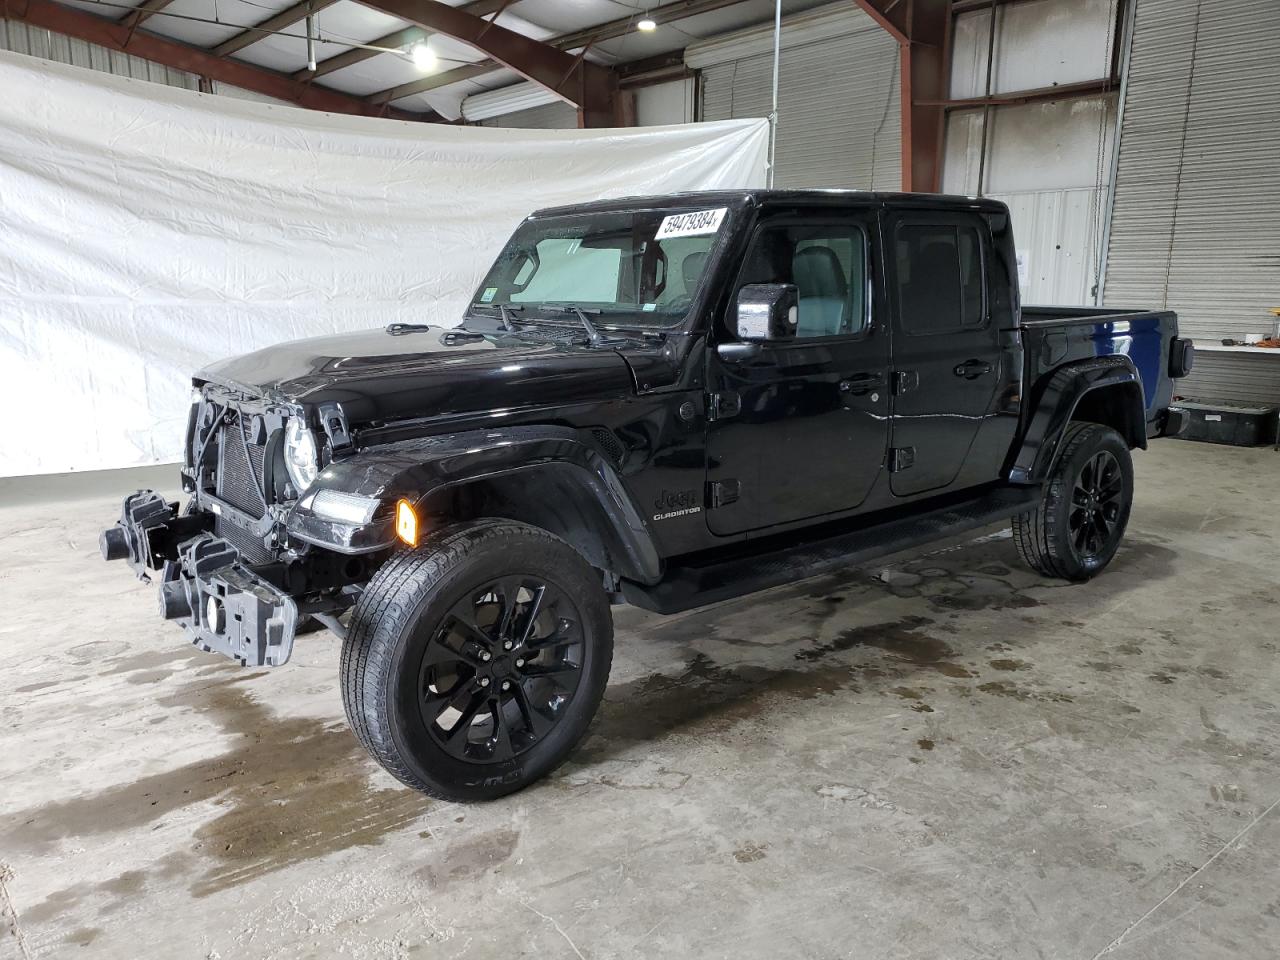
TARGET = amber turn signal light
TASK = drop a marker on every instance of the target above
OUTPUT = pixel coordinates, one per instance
(406, 523)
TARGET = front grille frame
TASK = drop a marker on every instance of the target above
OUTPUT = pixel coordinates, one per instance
(241, 493)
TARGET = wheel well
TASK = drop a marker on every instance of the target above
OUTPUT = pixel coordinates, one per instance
(1118, 406)
(553, 499)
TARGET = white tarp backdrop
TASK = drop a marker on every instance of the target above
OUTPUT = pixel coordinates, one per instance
(146, 230)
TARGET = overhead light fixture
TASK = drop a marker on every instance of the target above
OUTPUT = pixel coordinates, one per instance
(423, 57)
(647, 25)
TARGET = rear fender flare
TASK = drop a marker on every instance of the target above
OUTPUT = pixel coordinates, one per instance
(1060, 399)
(547, 476)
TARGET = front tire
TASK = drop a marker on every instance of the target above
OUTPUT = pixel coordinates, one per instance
(475, 662)
(1076, 529)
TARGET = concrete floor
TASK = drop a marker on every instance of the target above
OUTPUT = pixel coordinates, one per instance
(941, 757)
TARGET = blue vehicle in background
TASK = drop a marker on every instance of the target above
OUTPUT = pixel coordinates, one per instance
(663, 401)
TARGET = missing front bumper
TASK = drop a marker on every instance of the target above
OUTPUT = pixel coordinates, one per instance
(221, 603)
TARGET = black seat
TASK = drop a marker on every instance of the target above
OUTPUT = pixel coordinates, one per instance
(823, 291)
(691, 268)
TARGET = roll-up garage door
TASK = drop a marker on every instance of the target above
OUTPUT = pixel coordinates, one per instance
(549, 116)
(838, 100)
(1196, 222)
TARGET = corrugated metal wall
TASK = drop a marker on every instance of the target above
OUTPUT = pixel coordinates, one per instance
(1039, 43)
(37, 42)
(1057, 234)
(1233, 377)
(661, 103)
(549, 116)
(1049, 161)
(839, 111)
(656, 105)
(1196, 226)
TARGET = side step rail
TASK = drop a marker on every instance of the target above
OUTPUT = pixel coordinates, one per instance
(695, 585)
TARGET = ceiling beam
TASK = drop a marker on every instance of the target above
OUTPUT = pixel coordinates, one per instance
(1061, 91)
(656, 69)
(116, 36)
(574, 79)
(922, 29)
(397, 40)
(890, 14)
(611, 30)
(260, 31)
(968, 6)
(143, 12)
(466, 71)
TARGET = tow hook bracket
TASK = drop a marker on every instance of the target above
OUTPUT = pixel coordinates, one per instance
(227, 608)
(142, 514)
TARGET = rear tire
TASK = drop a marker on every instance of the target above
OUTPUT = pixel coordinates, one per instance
(474, 663)
(1077, 527)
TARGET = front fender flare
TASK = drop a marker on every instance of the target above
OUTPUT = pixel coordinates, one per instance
(1057, 403)
(421, 469)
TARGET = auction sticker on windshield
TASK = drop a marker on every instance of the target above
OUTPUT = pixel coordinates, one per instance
(690, 224)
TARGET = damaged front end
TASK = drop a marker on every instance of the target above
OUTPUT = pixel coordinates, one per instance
(229, 573)
(222, 604)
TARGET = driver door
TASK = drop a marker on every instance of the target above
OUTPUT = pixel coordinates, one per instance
(799, 428)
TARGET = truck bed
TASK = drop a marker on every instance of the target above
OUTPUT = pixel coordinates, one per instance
(1055, 335)
(1039, 315)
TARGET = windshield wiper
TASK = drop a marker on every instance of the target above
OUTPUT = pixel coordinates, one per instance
(504, 311)
(594, 335)
(506, 316)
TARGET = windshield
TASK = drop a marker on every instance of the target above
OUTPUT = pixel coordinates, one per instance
(646, 263)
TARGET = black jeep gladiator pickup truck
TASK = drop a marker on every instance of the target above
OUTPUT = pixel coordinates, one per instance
(665, 401)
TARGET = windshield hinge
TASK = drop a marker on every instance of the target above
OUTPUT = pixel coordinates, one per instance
(334, 423)
(722, 406)
(721, 493)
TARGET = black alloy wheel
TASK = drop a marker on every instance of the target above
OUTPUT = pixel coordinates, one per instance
(1096, 507)
(501, 669)
(1078, 525)
(475, 662)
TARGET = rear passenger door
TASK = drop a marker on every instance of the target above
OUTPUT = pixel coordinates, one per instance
(946, 354)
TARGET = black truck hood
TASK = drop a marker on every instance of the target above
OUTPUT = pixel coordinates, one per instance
(425, 373)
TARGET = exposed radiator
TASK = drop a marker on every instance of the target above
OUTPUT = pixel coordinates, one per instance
(249, 544)
(239, 479)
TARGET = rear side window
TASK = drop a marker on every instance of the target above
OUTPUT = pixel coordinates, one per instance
(940, 279)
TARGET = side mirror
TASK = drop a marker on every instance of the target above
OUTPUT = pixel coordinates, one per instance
(768, 311)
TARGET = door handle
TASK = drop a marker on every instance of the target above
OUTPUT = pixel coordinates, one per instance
(972, 369)
(861, 382)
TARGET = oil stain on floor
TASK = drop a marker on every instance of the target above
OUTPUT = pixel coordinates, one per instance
(290, 789)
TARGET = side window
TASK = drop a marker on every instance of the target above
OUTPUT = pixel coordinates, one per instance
(940, 278)
(828, 265)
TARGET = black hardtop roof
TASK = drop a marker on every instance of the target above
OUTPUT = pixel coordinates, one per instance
(769, 198)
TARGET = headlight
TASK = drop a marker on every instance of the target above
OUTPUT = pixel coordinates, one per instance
(343, 507)
(300, 454)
